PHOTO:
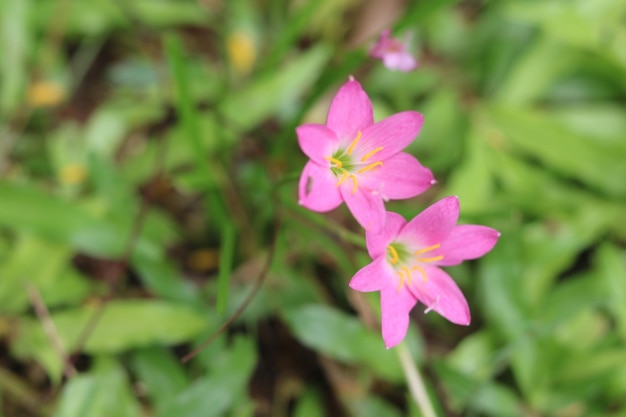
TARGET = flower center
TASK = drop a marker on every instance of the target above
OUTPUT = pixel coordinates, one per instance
(345, 168)
(404, 262)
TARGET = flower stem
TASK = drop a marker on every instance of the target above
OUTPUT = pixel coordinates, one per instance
(415, 381)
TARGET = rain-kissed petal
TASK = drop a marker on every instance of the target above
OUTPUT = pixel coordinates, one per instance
(400, 177)
(317, 190)
(373, 276)
(433, 225)
(377, 242)
(395, 307)
(350, 111)
(441, 294)
(366, 206)
(316, 141)
(467, 241)
(393, 134)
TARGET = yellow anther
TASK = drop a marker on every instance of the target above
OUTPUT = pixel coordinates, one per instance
(354, 142)
(343, 178)
(421, 270)
(337, 162)
(428, 249)
(354, 183)
(370, 166)
(394, 255)
(370, 154)
(433, 259)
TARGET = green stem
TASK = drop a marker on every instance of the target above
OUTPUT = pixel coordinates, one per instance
(415, 381)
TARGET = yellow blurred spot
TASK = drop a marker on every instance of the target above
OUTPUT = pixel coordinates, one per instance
(72, 174)
(45, 94)
(203, 260)
(241, 51)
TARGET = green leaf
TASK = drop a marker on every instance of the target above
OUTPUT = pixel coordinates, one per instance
(309, 405)
(611, 264)
(570, 297)
(472, 181)
(342, 337)
(122, 325)
(159, 13)
(160, 373)
(102, 392)
(373, 406)
(16, 44)
(497, 400)
(478, 395)
(29, 209)
(52, 275)
(211, 396)
(593, 162)
(534, 73)
(277, 93)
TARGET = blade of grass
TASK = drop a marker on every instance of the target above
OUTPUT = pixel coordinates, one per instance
(227, 254)
(419, 11)
(214, 199)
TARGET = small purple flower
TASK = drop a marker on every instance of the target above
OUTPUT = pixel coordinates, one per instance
(393, 52)
(355, 160)
(406, 260)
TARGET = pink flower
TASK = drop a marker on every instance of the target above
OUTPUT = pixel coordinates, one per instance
(393, 53)
(355, 160)
(406, 260)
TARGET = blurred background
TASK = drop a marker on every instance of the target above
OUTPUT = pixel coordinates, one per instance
(149, 171)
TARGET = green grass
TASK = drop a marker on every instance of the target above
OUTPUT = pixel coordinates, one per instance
(147, 176)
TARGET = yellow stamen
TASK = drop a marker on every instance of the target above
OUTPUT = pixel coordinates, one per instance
(433, 259)
(394, 255)
(421, 270)
(408, 274)
(401, 282)
(354, 142)
(370, 166)
(354, 183)
(343, 178)
(428, 249)
(406, 271)
(337, 162)
(370, 154)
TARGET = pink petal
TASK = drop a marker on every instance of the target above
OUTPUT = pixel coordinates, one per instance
(393, 134)
(395, 307)
(401, 176)
(373, 276)
(467, 241)
(366, 206)
(377, 242)
(433, 225)
(401, 61)
(350, 111)
(441, 294)
(382, 45)
(317, 141)
(317, 190)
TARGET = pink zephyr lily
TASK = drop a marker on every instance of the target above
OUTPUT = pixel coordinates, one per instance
(393, 52)
(355, 160)
(407, 257)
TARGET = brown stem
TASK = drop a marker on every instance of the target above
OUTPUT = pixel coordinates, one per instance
(257, 285)
(50, 329)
